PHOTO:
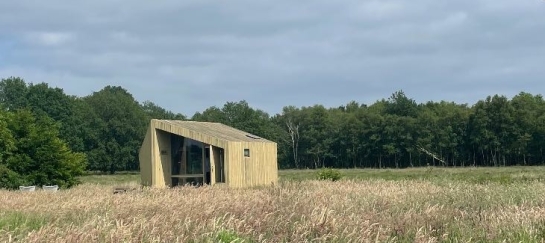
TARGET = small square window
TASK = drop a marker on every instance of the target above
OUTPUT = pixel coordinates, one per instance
(246, 152)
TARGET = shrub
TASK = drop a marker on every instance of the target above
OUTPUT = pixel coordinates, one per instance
(39, 155)
(329, 174)
(9, 179)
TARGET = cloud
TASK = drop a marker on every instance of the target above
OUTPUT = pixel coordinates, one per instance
(189, 55)
(49, 38)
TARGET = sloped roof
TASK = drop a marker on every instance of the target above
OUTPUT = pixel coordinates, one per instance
(212, 129)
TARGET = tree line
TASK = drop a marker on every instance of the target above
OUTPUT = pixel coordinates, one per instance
(397, 132)
(108, 127)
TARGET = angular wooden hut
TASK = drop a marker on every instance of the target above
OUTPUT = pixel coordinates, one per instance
(188, 152)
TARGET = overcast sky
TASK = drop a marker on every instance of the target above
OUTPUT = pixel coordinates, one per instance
(189, 55)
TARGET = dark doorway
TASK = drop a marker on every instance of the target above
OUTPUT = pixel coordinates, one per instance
(219, 165)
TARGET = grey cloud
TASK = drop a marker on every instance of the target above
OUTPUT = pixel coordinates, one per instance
(189, 55)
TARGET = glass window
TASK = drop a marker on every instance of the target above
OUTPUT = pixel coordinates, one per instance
(186, 156)
(194, 156)
(246, 152)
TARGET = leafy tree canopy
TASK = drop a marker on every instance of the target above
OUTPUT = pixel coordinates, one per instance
(108, 127)
(34, 154)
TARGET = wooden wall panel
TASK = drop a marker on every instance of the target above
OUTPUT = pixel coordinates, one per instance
(213, 163)
(235, 170)
(163, 158)
(261, 166)
(145, 158)
(217, 165)
(259, 169)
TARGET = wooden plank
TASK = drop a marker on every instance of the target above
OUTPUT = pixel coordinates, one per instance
(212, 166)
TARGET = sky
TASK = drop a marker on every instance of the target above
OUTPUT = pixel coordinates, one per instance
(188, 55)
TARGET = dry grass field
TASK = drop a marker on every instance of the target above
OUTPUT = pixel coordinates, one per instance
(366, 206)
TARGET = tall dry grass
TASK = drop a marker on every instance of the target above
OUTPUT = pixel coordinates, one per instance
(309, 211)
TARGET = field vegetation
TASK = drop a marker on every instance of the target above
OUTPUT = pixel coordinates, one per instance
(405, 205)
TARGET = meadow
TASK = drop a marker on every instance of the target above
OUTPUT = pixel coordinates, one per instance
(405, 205)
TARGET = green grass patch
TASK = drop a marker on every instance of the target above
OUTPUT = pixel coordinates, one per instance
(227, 236)
(480, 175)
(20, 224)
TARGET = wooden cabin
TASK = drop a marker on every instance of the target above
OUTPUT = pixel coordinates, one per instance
(178, 153)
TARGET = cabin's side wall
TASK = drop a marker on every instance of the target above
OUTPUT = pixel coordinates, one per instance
(145, 158)
(262, 165)
(260, 168)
